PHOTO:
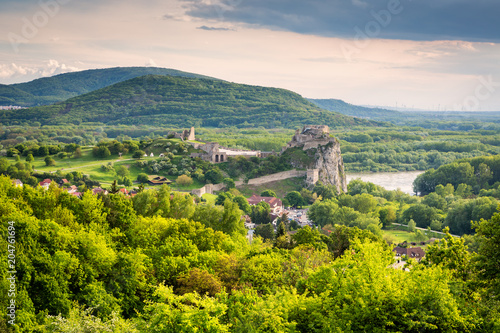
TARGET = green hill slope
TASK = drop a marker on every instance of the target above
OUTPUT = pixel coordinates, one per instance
(178, 101)
(12, 96)
(58, 88)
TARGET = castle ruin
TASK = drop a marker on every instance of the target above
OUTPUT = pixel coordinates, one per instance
(328, 166)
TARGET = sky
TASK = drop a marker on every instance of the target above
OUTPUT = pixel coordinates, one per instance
(422, 54)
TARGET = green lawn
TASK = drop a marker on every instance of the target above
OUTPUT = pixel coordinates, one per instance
(281, 187)
(210, 198)
(89, 165)
(399, 236)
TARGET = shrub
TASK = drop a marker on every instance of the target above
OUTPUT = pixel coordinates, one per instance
(184, 180)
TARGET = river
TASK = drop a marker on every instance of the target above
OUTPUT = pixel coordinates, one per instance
(389, 180)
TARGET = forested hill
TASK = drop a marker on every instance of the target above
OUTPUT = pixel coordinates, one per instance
(340, 106)
(49, 90)
(181, 102)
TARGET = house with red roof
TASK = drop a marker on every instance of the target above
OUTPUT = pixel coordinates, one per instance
(98, 190)
(45, 183)
(275, 203)
(416, 253)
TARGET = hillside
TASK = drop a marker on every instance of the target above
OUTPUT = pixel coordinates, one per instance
(60, 87)
(11, 96)
(342, 107)
(181, 102)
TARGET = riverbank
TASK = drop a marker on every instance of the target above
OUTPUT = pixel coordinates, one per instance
(389, 180)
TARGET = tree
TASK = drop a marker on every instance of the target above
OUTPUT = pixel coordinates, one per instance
(489, 253)
(412, 226)
(101, 152)
(422, 214)
(451, 252)
(200, 281)
(184, 180)
(462, 212)
(229, 183)
(387, 216)
(214, 176)
(127, 181)
(78, 153)
(49, 161)
(295, 199)
(484, 175)
(435, 200)
(30, 158)
(309, 236)
(281, 230)
(268, 193)
(266, 231)
(122, 171)
(243, 204)
(321, 212)
(261, 213)
(445, 191)
(142, 178)
(231, 222)
(138, 154)
(221, 198)
(43, 151)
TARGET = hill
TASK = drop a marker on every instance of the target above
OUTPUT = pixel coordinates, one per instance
(427, 119)
(60, 87)
(181, 102)
(342, 107)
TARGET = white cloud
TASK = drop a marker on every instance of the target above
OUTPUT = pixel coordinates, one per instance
(13, 72)
(150, 63)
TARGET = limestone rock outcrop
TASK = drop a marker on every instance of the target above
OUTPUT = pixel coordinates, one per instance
(327, 165)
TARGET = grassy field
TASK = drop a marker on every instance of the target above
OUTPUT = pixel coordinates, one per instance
(399, 236)
(91, 166)
(210, 198)
(281, 187)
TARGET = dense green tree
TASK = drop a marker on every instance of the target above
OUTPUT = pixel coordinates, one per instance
(243, 204)
(101, 152)
(435, 200)
(229, 183)
(261, 213)
(268, 193)
(422, 214)
(214, 176)
(122, 171)
(462, 212)
(142, 178)
(295, 199)
(222, 196)
(49, 161)
(266, 231)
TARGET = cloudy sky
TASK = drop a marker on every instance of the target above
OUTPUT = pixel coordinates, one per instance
(427, 54)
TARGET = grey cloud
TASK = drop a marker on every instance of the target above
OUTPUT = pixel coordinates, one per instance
(204, 27)
(414, 20)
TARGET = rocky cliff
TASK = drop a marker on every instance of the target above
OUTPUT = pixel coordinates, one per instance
(320, 155)
(330, 166)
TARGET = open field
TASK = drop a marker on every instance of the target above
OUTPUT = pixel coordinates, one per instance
(91, 166)
(399, 236)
